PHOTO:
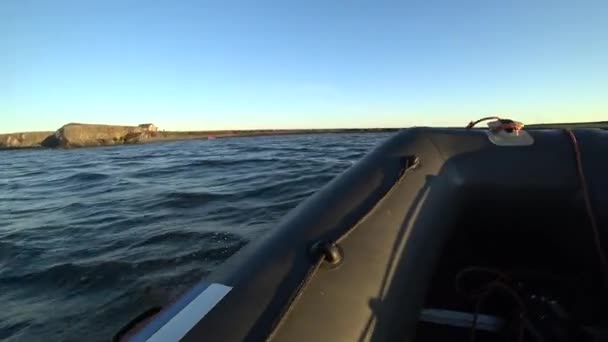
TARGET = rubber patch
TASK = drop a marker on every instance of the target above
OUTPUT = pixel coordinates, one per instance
(503, 138)
(185, 319)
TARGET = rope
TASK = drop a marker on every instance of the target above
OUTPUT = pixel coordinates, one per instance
(499, 283)
(588, 206)
(490, 288)
(477, 269)
(506, 125)
(473, 123)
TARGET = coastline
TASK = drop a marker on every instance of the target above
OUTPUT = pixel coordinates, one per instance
(76, 135)
(109, 135)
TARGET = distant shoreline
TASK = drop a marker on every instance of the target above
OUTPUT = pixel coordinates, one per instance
(76, 135)
(181, 135)
(85, 135)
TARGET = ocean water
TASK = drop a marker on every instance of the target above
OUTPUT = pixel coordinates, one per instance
(89, 238)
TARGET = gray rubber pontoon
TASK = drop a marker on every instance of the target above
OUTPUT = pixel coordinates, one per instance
(437, 234)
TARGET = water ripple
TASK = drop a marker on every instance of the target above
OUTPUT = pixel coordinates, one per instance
(90, 237)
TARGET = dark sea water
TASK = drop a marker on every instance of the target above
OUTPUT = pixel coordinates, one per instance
(91, 237)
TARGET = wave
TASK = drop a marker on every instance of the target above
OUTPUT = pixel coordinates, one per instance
(103, 274)
(185, 200)
(136, 157)
(84, 229)
(256, 162)
(13, 328)
(71, 274)
(285, 186)
(86, 177)
(177, 236)
(232, 166)
(203, 255)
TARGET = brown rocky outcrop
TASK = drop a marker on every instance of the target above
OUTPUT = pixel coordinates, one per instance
(23, 140)
(84, 135)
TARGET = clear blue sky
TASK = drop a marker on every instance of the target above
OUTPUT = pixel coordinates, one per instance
(196, 64)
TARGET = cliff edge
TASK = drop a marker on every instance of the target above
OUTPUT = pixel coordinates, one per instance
(79, 135)
(86, 135)
(89, 135)
(23, 140)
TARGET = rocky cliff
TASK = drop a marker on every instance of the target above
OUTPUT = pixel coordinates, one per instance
(77, 135)
(23, 140)
(83, 135)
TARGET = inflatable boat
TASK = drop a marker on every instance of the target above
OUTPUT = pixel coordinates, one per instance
(438, 234)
